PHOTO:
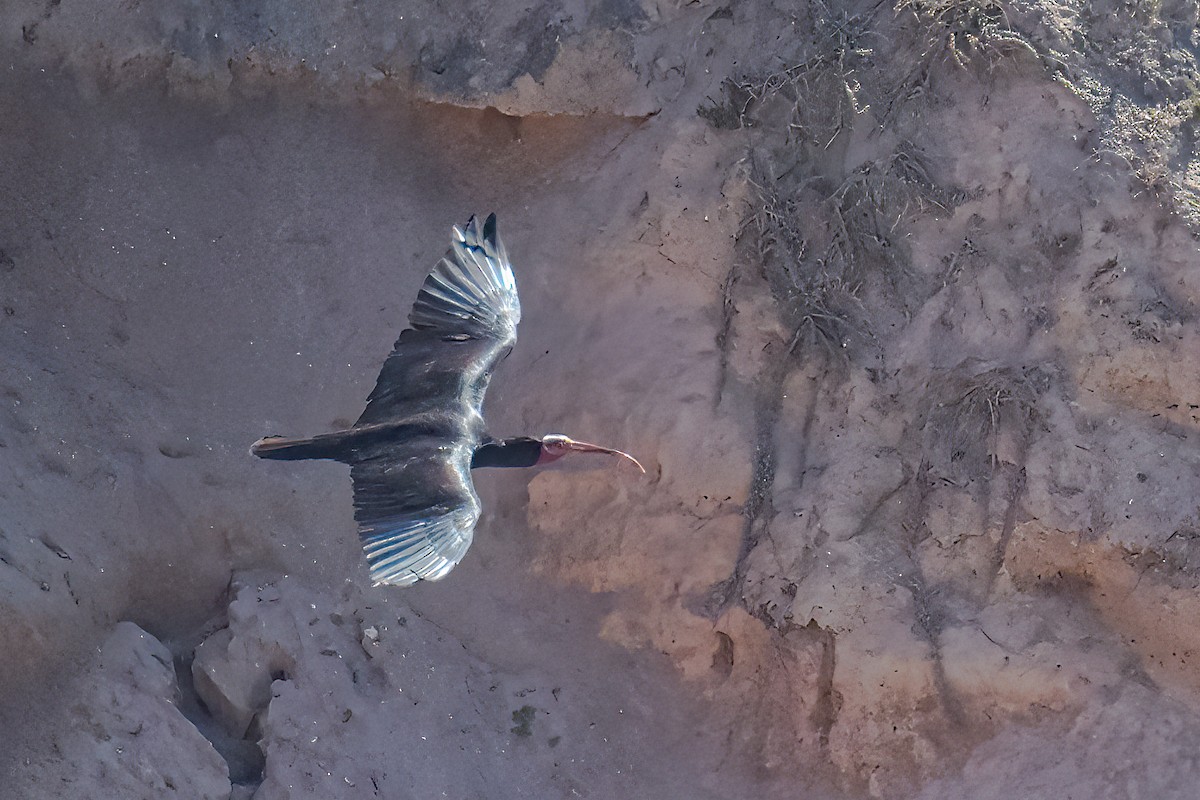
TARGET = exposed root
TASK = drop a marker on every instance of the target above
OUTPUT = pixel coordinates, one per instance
(981, 435)
(929, 613)
(759, 508)
(1016, 491)
(829, 700)
(818, 297)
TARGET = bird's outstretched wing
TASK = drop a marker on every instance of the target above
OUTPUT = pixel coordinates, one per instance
(416, 515)
(463, 322)
(414, 502)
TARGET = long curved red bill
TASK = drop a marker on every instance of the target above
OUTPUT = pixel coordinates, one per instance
(586, 447)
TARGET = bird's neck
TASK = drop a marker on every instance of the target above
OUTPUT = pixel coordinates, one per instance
(519, 451)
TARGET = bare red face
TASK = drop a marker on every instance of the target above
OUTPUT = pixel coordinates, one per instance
(555, 446)
(551, 451)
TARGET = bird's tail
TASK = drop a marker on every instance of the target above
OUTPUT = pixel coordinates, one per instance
(284, 449)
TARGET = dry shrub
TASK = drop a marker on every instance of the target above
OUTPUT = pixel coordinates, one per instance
(974, 412)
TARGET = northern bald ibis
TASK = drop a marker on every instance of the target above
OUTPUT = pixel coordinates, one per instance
(412, 451)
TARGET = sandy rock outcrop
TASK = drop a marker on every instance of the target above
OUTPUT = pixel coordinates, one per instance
(125, 734)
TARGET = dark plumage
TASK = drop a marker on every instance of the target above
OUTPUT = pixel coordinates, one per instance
(412, 450)
(521, 451)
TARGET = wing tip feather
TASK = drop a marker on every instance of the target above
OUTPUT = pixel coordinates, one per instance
(402, 552)
(478, 271)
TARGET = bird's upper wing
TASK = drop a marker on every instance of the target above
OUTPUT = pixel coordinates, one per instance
(416, 509)
(463, 322)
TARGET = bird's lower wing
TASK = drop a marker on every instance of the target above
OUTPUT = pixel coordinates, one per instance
(402, 551)
(416, 509)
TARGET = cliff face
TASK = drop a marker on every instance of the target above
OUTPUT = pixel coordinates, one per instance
(895, 302)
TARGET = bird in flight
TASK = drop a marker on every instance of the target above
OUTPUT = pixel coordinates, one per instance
(412, 451)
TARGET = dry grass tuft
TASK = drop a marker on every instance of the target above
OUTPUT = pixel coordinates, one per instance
(966, 429)
(966, 33)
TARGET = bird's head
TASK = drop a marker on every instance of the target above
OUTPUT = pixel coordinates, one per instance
(555, 446)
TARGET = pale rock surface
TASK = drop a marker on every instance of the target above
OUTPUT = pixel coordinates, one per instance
(124, 733)
(350, 696)
(895, 302)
